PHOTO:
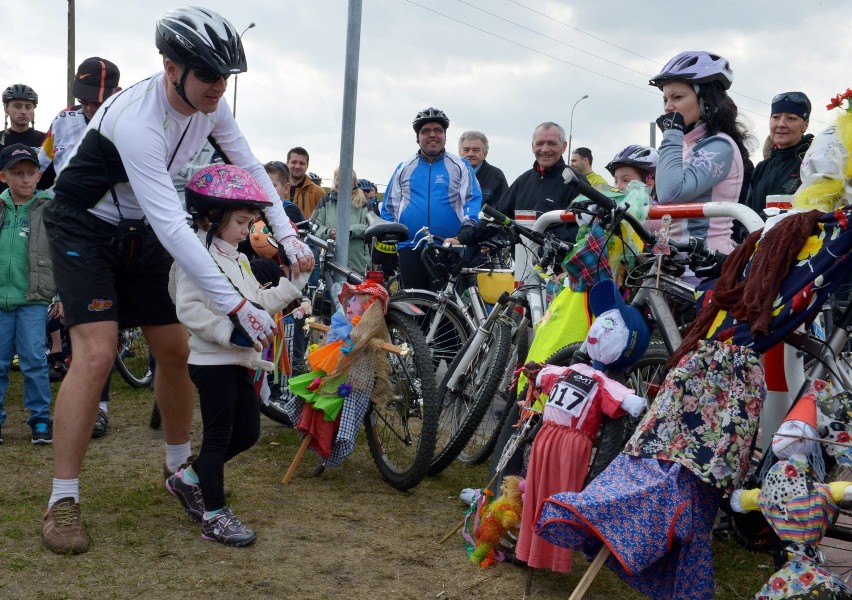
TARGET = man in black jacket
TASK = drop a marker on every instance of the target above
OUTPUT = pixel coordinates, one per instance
(473, 147)
(542, 189)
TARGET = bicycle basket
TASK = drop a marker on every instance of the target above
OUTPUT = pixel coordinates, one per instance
(491, 285)
(441, 263)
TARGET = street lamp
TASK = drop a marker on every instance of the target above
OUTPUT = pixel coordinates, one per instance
(250, 25)
(570, 125)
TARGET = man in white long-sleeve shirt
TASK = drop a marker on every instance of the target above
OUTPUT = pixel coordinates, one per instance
(114, 227)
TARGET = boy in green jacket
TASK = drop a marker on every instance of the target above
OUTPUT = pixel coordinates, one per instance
(26, 286)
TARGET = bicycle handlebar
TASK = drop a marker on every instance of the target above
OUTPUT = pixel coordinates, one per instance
(693, 246)
(501, 219)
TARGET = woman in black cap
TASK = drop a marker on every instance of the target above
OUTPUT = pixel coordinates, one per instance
(779, 174)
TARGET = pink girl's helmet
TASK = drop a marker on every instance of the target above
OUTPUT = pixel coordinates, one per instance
(226, 187)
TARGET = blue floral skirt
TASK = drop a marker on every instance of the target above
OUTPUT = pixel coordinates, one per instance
(654, 516)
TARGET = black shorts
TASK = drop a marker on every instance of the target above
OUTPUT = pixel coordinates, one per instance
(95, 283)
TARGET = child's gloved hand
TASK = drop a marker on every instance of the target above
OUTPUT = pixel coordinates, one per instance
(253, 327)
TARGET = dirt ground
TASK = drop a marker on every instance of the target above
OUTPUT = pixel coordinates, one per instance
(345, 534)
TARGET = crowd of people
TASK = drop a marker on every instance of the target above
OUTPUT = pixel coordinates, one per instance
(98, 248)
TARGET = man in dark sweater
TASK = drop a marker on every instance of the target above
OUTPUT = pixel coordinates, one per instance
(542, 188)
(19, 102)
(779, 174)
(473, 147)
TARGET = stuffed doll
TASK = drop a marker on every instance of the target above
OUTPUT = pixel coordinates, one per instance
(331, 400)
(578, 396)
(498, 518)
(798, 506)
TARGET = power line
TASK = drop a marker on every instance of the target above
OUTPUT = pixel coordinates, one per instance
(576, 66)
(505, 39)
(656, 62)
(552, 39)
(546, 16)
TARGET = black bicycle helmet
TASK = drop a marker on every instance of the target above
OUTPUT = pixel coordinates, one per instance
(430, 115)
(198, 37)
(364, 184)
(696, 67)
(19, 91)
(643, 158)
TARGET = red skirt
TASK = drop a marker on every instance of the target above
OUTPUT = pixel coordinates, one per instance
(559, 463)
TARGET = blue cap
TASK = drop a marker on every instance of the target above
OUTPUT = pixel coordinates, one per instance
(605, 296)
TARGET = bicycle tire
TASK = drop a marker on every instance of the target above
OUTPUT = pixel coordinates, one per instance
(133, 358)
(481, 445)
(451, 330)
(401, 431)
(462, 409)
(272, 410)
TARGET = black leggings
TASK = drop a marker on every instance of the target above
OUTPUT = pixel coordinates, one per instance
(230, 412)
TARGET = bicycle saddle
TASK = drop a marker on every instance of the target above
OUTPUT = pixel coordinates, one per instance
(387, 233)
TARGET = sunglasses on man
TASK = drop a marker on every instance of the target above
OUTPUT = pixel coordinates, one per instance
(209, 75)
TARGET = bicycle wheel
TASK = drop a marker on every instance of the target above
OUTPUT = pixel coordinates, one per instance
(444, 326)
(463, 407)
(401, 431)
(133, 359)
(483, 441)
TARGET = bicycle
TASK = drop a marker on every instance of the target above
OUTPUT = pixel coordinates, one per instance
(401, 432)
(480, 370)
(452, 313)
(133, 359)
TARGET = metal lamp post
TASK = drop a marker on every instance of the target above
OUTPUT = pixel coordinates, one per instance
(570, 125)
(250, 25)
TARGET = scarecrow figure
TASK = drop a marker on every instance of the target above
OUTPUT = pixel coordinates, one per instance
(329, 403)
(578, 396)
(798, 506)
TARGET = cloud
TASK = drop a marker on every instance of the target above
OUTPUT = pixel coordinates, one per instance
(501, 73)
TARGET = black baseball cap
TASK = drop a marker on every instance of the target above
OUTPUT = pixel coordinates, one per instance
(96, 79)
(15, 153)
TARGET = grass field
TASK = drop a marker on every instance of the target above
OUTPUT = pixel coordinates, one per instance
(346, 534)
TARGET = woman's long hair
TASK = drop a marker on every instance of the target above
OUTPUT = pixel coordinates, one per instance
(358, 197)
(720, 114)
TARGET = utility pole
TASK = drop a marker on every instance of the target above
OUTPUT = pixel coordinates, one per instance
(237, 76)
(347, 135)
(72, 67)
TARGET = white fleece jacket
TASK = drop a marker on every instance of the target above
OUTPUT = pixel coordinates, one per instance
(210, 330)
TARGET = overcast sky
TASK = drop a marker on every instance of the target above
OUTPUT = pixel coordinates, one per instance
(499, 66)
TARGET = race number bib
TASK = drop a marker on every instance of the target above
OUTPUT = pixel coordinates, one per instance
(572, 393)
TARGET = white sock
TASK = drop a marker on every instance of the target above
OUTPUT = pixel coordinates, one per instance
(177, 454)
(103, 406)
(64, 488)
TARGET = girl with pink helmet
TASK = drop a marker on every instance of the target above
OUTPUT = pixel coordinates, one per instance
(223, 200)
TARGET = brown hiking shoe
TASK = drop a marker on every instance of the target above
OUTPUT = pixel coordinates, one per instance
(62, 529)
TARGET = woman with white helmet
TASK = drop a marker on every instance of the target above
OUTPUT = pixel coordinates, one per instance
(704, 145)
